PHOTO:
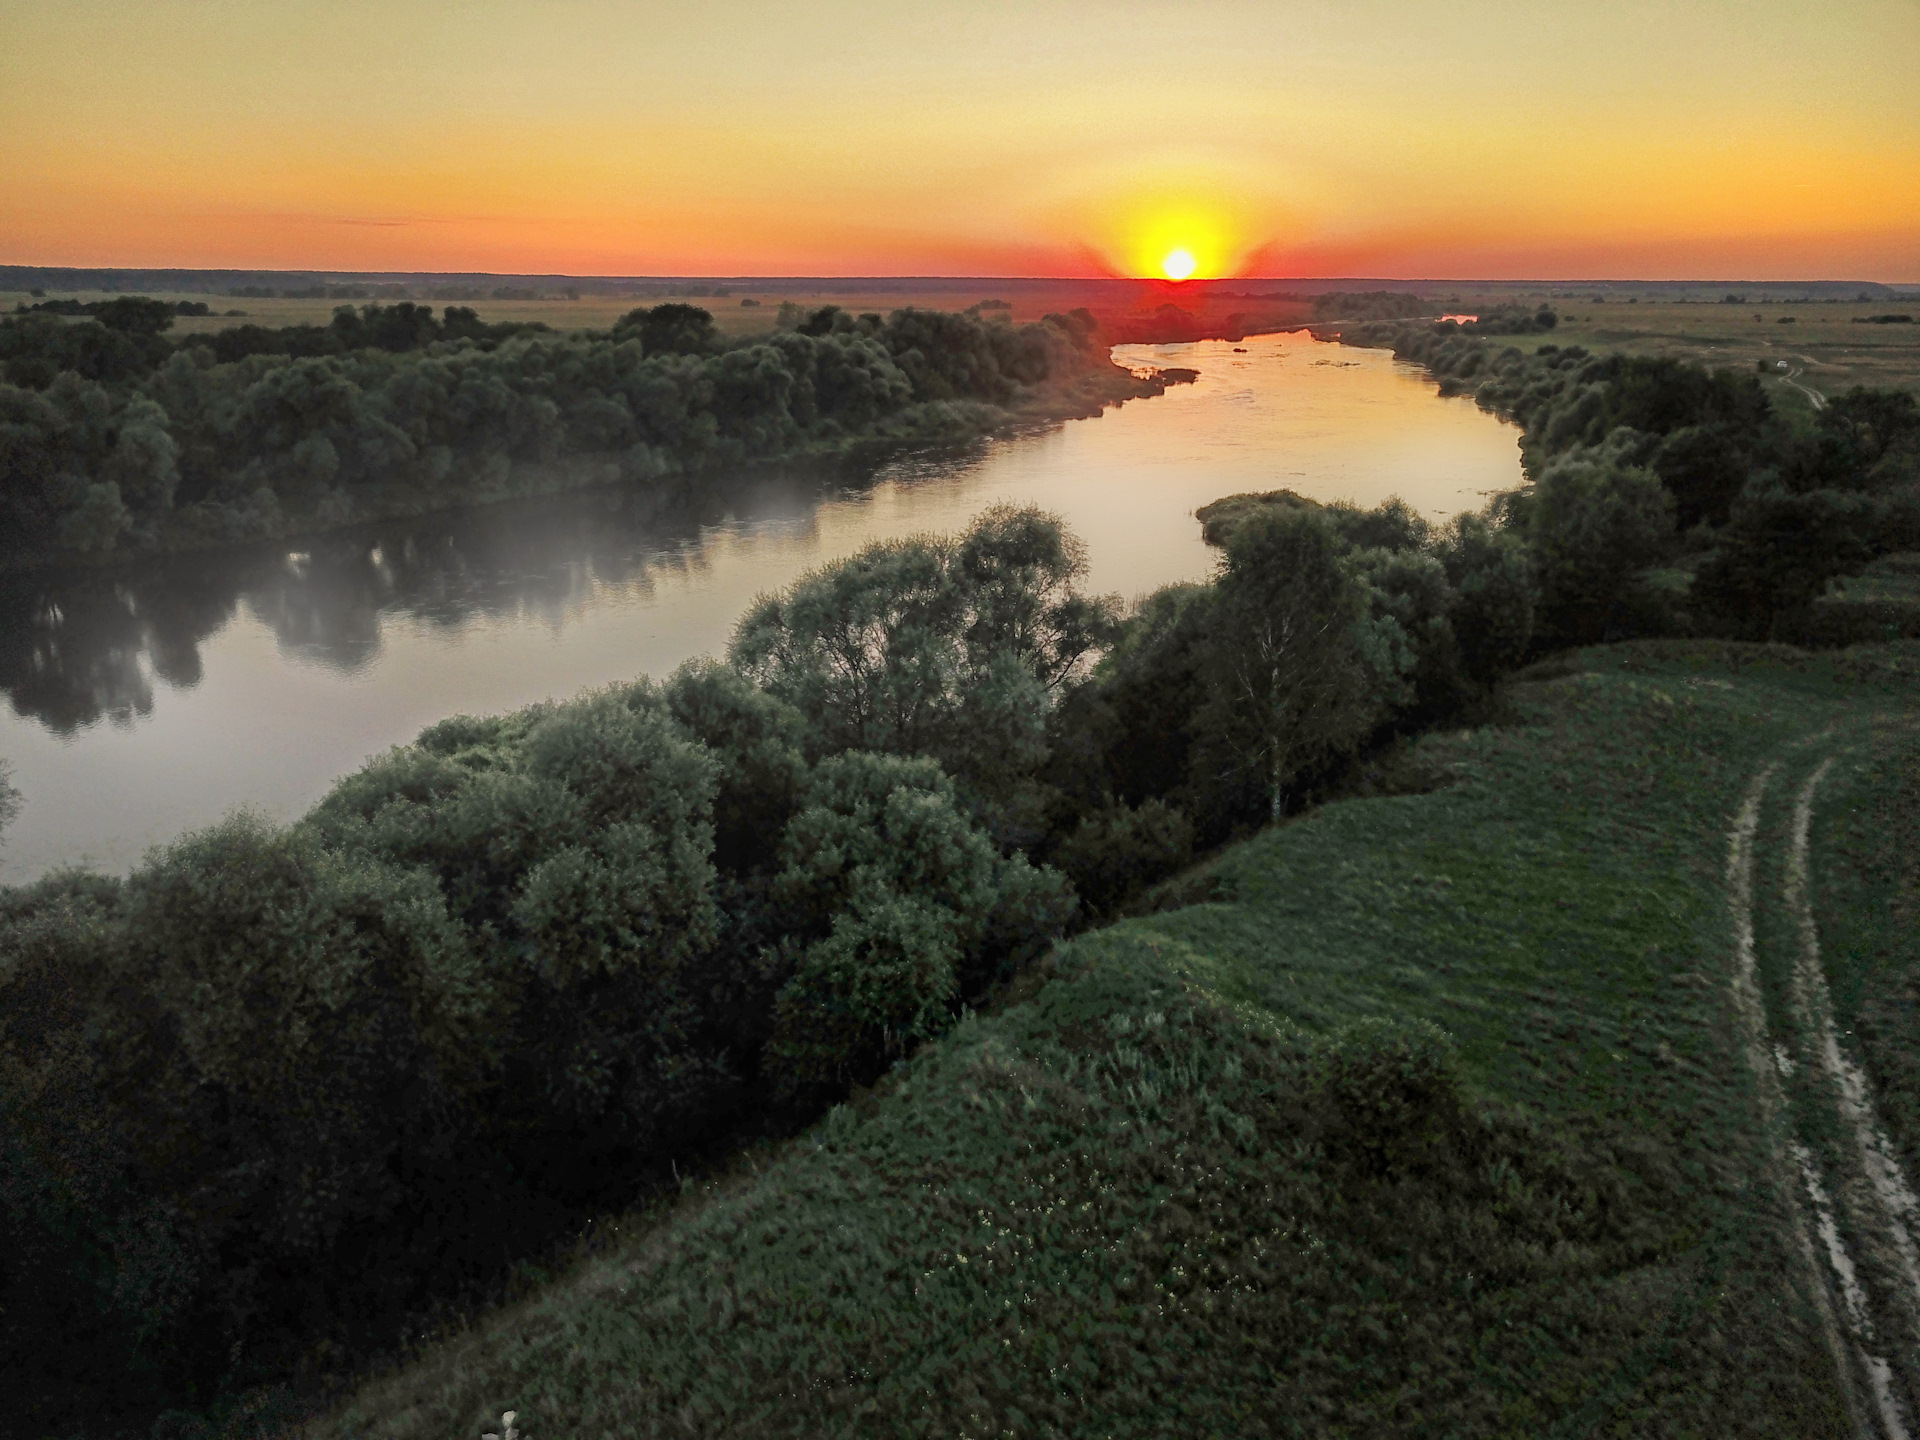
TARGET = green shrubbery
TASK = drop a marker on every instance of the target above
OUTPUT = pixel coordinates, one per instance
(1632, 458)
(113, 437)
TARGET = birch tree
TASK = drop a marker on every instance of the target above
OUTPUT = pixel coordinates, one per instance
(1299, 667)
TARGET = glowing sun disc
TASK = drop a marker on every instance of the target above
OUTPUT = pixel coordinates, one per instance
(1178, 264)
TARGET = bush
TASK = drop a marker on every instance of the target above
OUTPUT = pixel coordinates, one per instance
(1779, 554)
(1114, 854)
(1594, 527)
(890, 893)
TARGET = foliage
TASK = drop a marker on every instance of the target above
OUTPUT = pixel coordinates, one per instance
(563, 947)
(1220, 1172)
(1491, 574)
(1115, 853)
(1367, 305)
(948, 648)
(9, 798)
(389, 409)
(1593, 527)
(1298, 668)
(1779, 555)
(891, 891)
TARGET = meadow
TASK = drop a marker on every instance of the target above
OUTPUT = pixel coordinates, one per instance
(1827, 345)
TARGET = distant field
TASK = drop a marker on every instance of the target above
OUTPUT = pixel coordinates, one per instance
(1825, 350)
(599, 312)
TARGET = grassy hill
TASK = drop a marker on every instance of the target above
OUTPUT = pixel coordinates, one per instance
(1464, 1111)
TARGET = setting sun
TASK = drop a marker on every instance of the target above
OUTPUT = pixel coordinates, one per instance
(1178, 264)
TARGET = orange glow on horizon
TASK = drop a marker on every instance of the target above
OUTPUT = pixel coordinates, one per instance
(727, 138)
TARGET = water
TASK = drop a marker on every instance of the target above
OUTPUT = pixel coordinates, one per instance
(160, 699)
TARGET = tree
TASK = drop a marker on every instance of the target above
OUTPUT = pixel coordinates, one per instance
(887, 887)
(9, 798)
(135, 315)
(269, 1156)
(1494, 595)
(1593, 527)
(672, 329)
(1118, 851)
(927, 646)
(97, 519)
(1703, 468)
(1779, 554)
(1298, 669)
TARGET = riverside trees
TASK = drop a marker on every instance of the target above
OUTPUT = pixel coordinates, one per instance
(112, 437)
(1775, 509)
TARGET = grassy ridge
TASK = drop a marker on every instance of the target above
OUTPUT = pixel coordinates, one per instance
(1217, 1175)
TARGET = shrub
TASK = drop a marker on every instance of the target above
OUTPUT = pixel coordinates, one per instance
(1116, 853)
(1779, 554)
(1594, 527)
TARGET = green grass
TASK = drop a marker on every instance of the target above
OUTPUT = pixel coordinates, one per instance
(1867, 899)
(1204, 1176)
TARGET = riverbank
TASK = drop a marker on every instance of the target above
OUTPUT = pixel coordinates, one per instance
(1151, 1192)
(120, 442)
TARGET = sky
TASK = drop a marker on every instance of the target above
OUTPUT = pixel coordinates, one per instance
(1764, 139)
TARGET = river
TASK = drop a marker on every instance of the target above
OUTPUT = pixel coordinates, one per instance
(160, 698)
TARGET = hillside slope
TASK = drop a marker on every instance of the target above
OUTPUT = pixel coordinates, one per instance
(1451, 1114)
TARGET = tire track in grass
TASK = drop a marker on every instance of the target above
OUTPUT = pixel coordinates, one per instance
(1882, 1204)
(1750, 1013)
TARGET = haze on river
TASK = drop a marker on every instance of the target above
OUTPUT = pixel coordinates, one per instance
(167, 696)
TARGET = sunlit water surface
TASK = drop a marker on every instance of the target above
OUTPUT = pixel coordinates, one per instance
(163, 698)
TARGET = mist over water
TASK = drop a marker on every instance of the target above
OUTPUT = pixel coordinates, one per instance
(160, 698)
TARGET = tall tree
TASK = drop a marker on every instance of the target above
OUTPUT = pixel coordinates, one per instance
(1299, 668)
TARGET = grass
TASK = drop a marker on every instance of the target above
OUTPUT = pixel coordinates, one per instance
(1823, 347)
(1867, 897)
(1213, 1171)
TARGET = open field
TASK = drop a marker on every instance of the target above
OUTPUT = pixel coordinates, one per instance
(1823, 346)
(1027, 301)
(1174, 1189)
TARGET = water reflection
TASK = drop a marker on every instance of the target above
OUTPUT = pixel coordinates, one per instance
(80, 648)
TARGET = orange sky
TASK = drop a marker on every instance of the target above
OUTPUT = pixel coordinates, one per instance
(1476, 138)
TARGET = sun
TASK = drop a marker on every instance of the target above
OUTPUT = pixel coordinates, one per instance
(1179, 264)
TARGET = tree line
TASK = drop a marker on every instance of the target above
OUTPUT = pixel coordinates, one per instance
(1639, 465)
(116, 438)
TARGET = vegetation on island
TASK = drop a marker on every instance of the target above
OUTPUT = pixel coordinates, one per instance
(1415, 1115)
(114, 438)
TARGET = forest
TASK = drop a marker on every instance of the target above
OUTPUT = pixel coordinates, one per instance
(532, 963)
(115, 438)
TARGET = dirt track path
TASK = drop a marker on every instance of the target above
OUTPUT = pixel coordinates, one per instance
(1866, 1209)
(1792, 377)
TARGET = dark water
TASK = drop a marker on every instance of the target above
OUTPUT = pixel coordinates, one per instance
(156, 700)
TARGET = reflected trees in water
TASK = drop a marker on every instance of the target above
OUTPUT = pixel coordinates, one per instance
(77, 648)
